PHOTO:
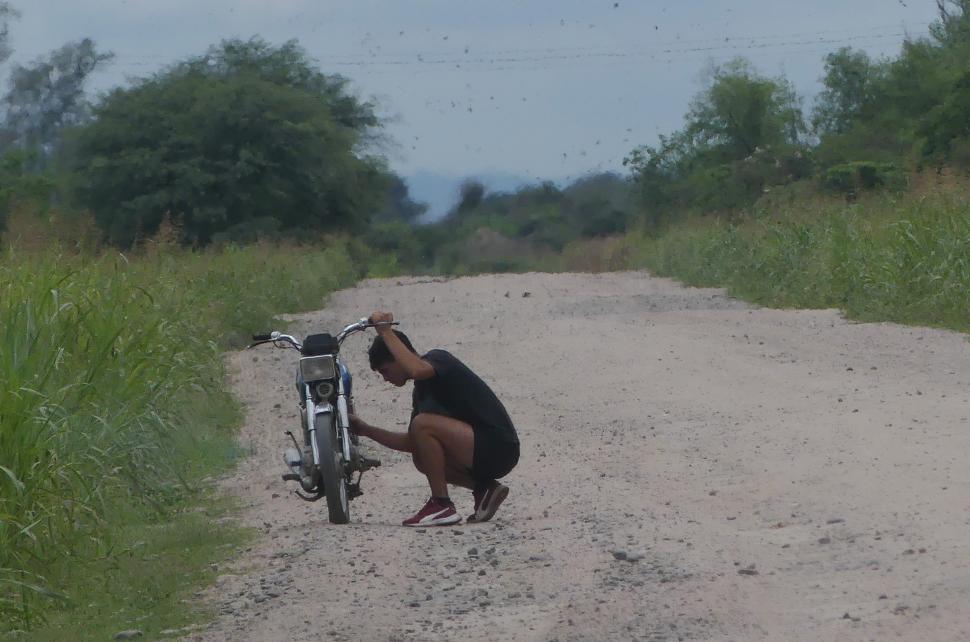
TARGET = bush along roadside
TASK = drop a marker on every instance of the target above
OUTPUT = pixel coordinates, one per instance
(114, 413)
(905, 260)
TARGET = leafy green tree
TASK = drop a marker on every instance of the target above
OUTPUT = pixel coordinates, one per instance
(496, 230)
(19, 185)
(952, 30)
(947, 126)
(48, 95)
(944, 126)
(7, 13)
(398, 204)
(658, 172)
(597, 205)
(900, 110)
(743, 132)
(742, 111)
(470, 196)
(850, 87)
(246, 137)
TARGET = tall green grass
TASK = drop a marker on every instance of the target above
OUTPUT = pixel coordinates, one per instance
(904, 259)
(112, 393)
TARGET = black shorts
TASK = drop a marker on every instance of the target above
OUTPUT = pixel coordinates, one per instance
(493, 458)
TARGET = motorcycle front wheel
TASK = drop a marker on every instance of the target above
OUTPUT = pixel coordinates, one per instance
(331, 470)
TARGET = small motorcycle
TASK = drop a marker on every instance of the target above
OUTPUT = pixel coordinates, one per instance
(328, 458)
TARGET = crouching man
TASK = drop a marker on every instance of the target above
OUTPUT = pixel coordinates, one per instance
(460, 433)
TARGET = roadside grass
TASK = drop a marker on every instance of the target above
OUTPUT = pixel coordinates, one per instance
(114, 412)
(900, 258)
(149, 581)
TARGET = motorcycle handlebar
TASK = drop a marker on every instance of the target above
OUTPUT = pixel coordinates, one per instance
(361, 325)
(275, 336)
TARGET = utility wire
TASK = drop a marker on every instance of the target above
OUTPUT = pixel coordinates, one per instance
(817, 36)
(567, 53)
(497, 60)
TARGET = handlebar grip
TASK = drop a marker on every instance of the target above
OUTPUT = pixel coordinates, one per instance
(370, 324)
(261, 337)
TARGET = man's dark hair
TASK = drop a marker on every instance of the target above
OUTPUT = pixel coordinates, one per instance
(379, 354)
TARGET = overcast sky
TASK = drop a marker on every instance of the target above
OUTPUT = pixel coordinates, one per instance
(538, 88)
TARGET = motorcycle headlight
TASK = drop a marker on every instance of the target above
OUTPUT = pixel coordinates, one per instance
(324, 390)
(316, 368)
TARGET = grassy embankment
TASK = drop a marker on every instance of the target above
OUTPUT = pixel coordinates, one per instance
(902, 258)
(113, 412)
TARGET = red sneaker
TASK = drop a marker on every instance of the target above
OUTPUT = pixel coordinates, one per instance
(434, 513)
(487, 501)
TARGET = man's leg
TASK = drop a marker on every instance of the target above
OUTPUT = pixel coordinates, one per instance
(454, 475)
(460, 477)
(496, 459)
(441, 445)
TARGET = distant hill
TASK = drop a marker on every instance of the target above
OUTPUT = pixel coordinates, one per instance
(440, 191)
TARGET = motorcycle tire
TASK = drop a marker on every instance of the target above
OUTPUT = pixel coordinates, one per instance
(331, 471)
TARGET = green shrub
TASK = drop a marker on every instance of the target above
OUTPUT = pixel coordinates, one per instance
(849, 178)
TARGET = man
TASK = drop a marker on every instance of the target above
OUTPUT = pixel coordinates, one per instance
(459, 433)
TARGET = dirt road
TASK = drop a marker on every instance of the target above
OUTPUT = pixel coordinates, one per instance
(766, 474)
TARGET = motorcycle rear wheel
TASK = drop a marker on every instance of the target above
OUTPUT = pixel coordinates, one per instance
(331, 471)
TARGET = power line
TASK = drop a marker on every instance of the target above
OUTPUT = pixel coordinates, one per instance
(552, 58)
(514, 54)
(816, 36)
(496, 60)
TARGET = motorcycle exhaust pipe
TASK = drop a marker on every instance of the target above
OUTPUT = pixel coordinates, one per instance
(294, 460)
(305, 482)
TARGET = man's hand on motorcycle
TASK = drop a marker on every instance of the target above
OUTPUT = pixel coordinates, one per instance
(381, 317)
(357, 425)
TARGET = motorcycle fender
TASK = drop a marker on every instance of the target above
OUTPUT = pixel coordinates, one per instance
(317, 411)
(327, 409)
(340, 413)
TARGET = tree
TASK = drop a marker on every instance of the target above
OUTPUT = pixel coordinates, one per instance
(48, 95)
(953, 27)
(7, 13)
(742, 111)
(470, 196)
(944, 127)
(398, 205)
(948, 124)
(657, 171)
(743, 133)
(597, 204)
(850, 79)
(246, 137)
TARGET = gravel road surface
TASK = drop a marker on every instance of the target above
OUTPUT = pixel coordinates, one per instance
(692, 469)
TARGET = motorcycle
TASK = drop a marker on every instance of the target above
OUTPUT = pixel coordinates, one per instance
(324, 465)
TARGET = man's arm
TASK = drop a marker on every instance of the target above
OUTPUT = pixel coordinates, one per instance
(416, 367)
(400, 441)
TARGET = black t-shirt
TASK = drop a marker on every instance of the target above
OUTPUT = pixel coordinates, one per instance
(457, 392)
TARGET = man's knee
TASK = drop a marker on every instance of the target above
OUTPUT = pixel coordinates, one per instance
(417, 462)
(422, 423)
